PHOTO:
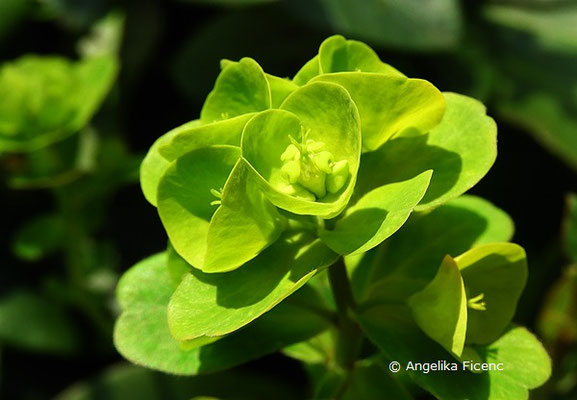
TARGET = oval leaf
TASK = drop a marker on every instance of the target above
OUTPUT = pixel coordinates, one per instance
(244, 224)
(337, 54)
(240, 88)
(141, 333)
(376, 216)
(440, 309)
(389, 104)
(452, 229)
(185, 196)
(217, 304)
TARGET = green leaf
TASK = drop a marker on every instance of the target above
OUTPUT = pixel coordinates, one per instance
(317, 350)
(320, 113)
(141, 332)
(280, 88)
(241, 88)
(49, 98)
(39, 237)
(499, 272)
(467, 131)
(121, 382)
(373, 381)
(376, 216)
(308, 71)
(408, 24)
(525, 358)
(185, 197)
(104, 38)
(181, 140)
(548, 119)
(214, 214)
(154, 164)
(217, 304)
(557, 324)
(118, 382)
(336, 54)
(193, 135)
(440, 309)
(31, 322)
(525, 362)
(553, 27)
(142, 335)
(453, 228)
(389, 104)
(535, 86)
(460, 151)
(244, 224)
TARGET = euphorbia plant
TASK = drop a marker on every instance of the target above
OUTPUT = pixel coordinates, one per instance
(281, 180)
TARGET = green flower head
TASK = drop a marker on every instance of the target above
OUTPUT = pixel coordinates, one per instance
(45, 99)
(269, 154)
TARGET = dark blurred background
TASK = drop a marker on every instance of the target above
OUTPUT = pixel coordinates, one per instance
(518, 56)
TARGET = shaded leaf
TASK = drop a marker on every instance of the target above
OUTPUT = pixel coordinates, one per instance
(460, 151)
(49, 98)
(141, 333)
(557, 324)
(121, 382)
(417, 249)
(373, 381)
(525, 361)
(217, 304)
(407, 24)
(185, 197)
(243, 225)
(31, 322)
(553, 27)
(39, 237)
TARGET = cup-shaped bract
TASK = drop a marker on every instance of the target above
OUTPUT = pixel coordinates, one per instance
(215, 216)
(473, 297)
(494, 276)
(440, 309)
(45, 99)
(306, 154)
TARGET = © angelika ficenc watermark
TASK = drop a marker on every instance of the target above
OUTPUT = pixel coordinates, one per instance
(446, 366)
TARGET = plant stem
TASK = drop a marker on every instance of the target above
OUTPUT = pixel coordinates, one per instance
(349, 334)
(341, 288)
